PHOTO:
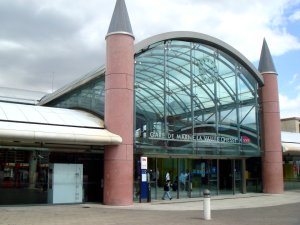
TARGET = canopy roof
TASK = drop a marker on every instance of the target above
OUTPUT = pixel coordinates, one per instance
(15, 95)
(38, 124)
(290, 143)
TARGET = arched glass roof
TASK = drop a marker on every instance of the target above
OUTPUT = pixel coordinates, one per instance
(191, 88)
(186, 67)
(190, 36)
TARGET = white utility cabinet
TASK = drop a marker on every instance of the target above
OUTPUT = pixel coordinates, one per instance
(65, 183)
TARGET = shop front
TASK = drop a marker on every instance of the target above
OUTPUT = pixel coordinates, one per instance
(47, 152)
(291, 157)
(27, 177)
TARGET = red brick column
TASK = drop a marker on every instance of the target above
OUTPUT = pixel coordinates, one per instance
(118, 160)
(271, 136)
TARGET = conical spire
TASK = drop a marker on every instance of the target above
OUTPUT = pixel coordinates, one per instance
(266, 64)
(120, 22)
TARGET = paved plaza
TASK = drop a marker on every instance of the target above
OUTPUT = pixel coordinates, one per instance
(248, 209)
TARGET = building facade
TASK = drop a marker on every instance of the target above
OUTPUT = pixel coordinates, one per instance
(290, 138)
(190, 103)
(291, 124)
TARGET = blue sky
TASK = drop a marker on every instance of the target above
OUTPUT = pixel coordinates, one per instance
(46, 44)
(288, 68)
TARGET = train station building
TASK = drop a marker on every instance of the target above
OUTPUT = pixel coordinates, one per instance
(189, 103)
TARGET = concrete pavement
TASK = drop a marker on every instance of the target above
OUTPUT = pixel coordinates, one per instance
(254, 209)
(251, 200)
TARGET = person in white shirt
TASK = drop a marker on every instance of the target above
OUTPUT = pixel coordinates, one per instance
(168, 177)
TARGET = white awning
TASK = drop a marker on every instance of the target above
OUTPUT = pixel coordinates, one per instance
(290, 143)
(38, 124)
(291, 148)
(12, 131)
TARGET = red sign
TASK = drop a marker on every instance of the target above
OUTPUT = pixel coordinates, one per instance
(245, 139)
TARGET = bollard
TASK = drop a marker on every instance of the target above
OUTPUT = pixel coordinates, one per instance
(206, 204)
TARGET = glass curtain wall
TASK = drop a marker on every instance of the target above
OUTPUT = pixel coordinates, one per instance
(193, 99)
(190, 177)
(89, 97)
(195, 105)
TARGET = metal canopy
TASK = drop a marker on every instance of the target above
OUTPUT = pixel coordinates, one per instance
(14, 95)
(290, 143)
(37, 124)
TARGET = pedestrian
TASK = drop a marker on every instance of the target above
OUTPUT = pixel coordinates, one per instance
(167, 191)
(168, 177)
(182, 179)
(188, 181)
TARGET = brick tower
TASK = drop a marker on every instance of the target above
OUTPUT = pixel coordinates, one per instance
(119, 95)
(271, 131)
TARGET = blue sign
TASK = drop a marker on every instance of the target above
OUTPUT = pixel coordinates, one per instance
(144, 185)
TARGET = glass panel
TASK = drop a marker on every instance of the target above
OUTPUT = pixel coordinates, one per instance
(90, 97)
(225, 176)
(253, 175)
(192, 98)
(237, 176)
(212, 175)
(200, 177)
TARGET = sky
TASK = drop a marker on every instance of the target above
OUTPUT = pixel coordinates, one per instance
(45, 44)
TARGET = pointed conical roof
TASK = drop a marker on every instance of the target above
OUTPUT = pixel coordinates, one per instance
(266, 62)
(120, 22)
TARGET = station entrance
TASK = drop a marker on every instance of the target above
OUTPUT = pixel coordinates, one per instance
(190, 177)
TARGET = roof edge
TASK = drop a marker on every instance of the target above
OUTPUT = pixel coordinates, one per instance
(180, 35)
(120, 32)
(73, 85)
(192, 36)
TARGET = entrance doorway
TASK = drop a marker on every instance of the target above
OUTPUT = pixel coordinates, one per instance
(230, 176)
(225, 176)
(190, 177)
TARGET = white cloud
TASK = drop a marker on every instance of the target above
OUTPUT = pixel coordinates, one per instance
(68, 35)
(229, 20)
(294, 79)
(289, 107)
(6, 45)
(242, 27)
(295, 16)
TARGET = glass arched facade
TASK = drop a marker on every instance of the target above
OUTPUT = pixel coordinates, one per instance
(196, 112)
(194, 99)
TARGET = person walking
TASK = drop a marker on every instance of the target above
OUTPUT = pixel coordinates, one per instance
(167, 191)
